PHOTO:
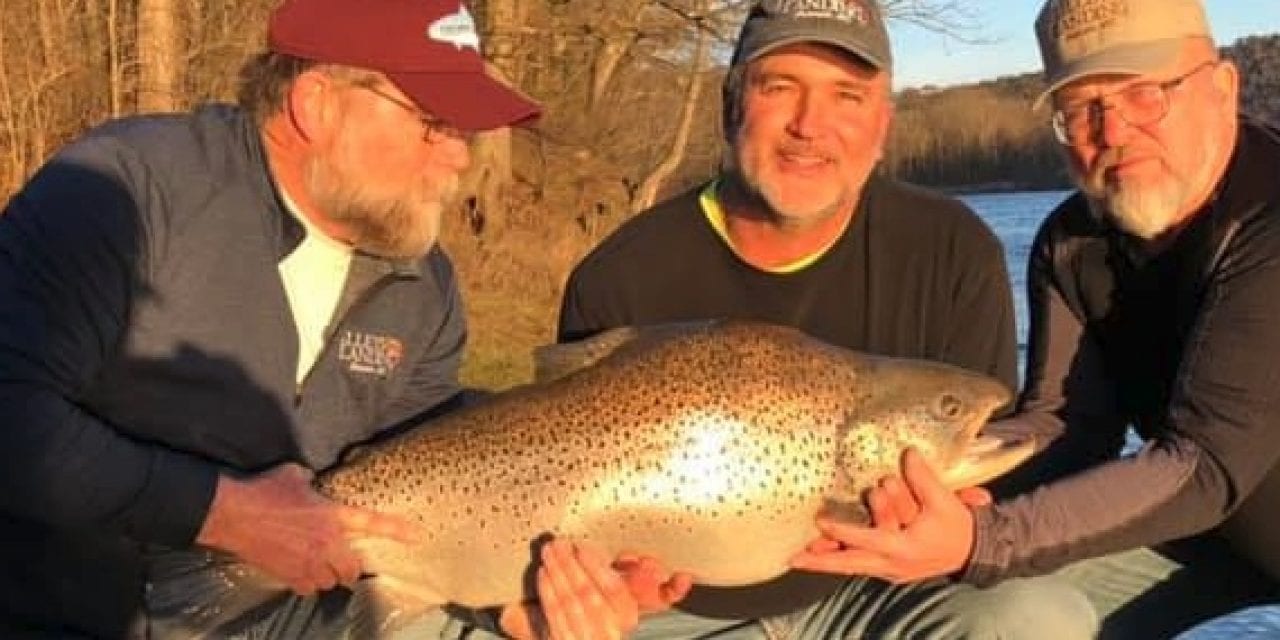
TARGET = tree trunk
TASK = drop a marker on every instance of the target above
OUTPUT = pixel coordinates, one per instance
(158, 56)
(46, 23)
(648, 191)
(41, 121)
(484, 186)
(505, 23)
(115, 76)
(12, 143)
(608, 56)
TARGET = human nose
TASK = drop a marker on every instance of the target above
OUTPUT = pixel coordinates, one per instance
(808, 116)
(1113, 127)
(455, 153)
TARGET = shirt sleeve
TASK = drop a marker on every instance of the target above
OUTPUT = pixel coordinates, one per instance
(576, 321)
(1063, 362)
(984, 339)
(72, 248)
(1185, 481)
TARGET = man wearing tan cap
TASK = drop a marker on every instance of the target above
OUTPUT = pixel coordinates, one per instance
(1154, 293)
(198, 309)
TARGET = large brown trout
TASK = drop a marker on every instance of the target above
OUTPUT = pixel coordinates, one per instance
(711, 449)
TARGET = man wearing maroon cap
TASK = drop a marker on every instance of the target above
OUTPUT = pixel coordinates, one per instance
(200, 309)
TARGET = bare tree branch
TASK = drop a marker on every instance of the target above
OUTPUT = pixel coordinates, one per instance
(958, 19)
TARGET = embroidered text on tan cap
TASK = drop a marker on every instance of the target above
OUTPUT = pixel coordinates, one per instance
(1079, 38)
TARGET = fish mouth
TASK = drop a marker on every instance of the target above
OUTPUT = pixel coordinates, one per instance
(986, 458)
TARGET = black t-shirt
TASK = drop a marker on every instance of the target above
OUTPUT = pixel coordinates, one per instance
(915, 274)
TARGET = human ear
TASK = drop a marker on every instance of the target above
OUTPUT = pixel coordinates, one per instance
(312, 105)
(1226, 81)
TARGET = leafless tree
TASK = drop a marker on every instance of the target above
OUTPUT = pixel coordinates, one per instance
(158, 72)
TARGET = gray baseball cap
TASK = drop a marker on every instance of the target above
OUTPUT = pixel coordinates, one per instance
(856, 26)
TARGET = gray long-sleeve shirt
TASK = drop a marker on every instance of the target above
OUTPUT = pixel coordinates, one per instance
(146, 344)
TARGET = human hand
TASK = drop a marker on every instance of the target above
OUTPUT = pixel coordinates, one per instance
(278, 523)
(654, 588)
(892, 504)
(920, 530)
(582, 596)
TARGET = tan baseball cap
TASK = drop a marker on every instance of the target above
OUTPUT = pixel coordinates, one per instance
(1080, 38)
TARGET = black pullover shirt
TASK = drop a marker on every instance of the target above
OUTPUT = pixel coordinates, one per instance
(1184, 345)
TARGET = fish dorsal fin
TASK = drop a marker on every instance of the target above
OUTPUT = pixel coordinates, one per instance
(555, 361)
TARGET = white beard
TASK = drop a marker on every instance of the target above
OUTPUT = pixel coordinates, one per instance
(1145, 212)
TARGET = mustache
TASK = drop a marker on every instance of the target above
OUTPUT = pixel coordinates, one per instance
(1114, 156)
(1095, 175)
(795, 148)
(1111, 157)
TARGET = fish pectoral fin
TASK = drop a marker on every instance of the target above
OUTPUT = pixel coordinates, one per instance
(383, 605)
(196, 592)
(846, 511)
(391, 558)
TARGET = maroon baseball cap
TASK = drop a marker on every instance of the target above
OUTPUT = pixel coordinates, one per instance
(428, 48)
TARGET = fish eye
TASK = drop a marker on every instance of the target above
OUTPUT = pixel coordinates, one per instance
(949, 406)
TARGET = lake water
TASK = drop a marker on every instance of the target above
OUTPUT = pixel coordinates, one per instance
(1015, 217)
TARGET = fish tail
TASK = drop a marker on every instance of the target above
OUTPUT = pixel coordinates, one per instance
(196, 593)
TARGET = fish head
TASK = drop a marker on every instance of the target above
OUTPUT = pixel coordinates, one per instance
(936, 408)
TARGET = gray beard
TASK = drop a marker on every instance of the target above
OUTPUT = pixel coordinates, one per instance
(395, 228)
(1145, 213)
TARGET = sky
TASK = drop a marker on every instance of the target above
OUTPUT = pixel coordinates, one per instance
(923, 57)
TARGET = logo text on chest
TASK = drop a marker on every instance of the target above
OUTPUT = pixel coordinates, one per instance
(368, 353)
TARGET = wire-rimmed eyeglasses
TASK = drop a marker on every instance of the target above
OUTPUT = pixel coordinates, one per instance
(434, 130)
(1139, 105)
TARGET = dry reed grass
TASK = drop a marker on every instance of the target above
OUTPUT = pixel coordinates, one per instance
(512, 276)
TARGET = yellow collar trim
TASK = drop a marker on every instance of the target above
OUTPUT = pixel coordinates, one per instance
(714, 212)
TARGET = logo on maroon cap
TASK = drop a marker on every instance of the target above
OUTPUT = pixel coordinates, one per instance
(457, 29)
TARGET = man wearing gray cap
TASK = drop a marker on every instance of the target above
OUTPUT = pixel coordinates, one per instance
(1153, 295)
(799, 230)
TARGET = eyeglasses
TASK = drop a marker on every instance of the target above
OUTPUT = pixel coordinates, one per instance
(1139, 105)
(434, 130)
